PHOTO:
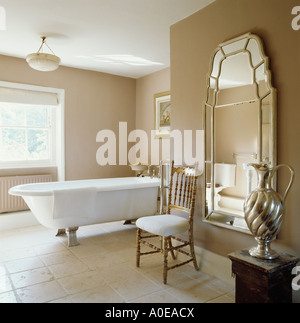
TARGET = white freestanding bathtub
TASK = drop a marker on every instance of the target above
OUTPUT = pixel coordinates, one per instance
(70, 204)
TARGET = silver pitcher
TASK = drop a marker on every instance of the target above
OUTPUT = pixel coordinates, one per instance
(264, 210)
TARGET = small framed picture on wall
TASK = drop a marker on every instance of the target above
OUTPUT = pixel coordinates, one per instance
(162, 114)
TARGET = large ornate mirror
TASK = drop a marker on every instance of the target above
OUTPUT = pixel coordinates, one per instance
(239, 116)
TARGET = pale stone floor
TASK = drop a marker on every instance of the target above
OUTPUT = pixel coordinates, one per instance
(38, 267)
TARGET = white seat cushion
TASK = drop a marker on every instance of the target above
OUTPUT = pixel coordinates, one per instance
(163, 225)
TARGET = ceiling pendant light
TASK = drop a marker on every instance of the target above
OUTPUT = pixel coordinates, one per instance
(41, 61)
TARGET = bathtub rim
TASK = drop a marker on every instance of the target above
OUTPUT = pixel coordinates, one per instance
(136, 182)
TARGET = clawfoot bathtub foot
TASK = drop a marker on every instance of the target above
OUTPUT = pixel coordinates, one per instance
(72, 238)
(61, 232)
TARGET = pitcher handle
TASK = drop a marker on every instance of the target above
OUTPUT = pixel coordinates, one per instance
(291, 179)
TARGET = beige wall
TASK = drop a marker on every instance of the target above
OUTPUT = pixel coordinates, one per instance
(192, 42)
(146, 87)
(93, 102)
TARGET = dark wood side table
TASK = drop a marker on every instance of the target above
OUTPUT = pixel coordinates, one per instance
(262, 281)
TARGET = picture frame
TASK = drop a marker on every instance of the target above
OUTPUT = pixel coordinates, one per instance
(162, 114)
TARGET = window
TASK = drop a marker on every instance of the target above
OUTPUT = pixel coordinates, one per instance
(27, 134)
(31, 127)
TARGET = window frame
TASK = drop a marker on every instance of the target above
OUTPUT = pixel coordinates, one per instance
(51, 129)
(57, 133)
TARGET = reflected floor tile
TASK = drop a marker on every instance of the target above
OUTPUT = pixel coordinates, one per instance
(134, 287)
(29, 238)
(3, 270)
(31, 277)
(100, 294)
(48, 248)
(8, 297)
(14, 254)
(81, 282)
(24, 264)
(63, 300)
(157, 297)
(5, 284)
(113, 274)
(68, 268)
(220, 286)
(175, 276)
(83, 251)
(194, 291)
(41, 293)
(228, 298)
(104, 260)
(58, 258)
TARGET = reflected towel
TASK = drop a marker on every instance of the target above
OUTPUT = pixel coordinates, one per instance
(75, 202)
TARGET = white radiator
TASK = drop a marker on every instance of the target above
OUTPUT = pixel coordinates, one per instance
(9, 203)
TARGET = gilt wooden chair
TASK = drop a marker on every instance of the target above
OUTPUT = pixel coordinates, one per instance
(181, 200)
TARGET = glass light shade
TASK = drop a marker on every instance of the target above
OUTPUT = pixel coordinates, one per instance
(43, 62)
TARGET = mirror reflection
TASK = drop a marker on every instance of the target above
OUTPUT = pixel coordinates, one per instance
(239, 114)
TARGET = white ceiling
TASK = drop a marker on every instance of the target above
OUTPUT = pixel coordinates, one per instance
(122, 37)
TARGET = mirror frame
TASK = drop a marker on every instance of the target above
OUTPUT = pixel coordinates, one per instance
(259, 97)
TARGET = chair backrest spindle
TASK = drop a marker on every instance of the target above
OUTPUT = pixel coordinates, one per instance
(182, 190)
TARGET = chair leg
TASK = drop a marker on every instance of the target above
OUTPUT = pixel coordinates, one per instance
(171, 248)
(138, 247)
(165, 273)
(194, 256)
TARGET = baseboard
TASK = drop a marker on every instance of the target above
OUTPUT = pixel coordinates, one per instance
(213, 264)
